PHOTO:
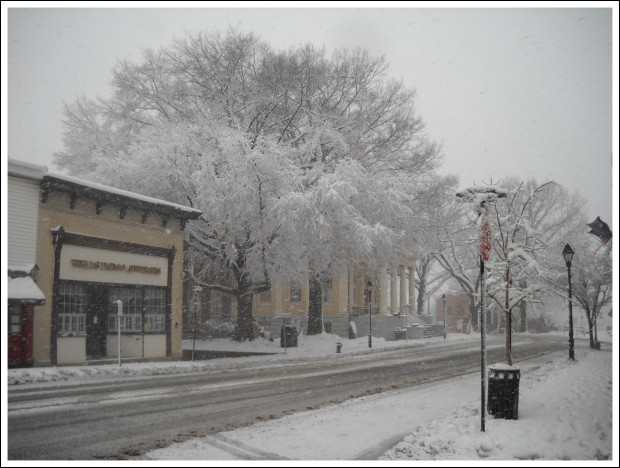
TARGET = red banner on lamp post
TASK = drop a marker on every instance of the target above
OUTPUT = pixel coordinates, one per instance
(485, 239)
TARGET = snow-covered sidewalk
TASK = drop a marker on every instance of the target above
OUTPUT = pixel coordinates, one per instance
(567, 409)
(565, 413)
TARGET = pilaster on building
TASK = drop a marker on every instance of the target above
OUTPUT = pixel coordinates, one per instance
(390, 288)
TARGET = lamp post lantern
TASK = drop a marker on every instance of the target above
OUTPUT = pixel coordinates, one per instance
(443, 298)
(369, 305)
(568, 253)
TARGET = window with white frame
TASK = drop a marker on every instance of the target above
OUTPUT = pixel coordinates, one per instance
(154, 309)
(72, 303)
(144, 309)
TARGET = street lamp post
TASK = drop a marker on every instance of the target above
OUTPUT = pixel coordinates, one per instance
(481, 198)
(443, 298)
(195, 306)
(369, 304)
(119, 314)
(568, 253)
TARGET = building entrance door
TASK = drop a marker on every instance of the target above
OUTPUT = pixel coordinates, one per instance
(20, 335)
(97, 322)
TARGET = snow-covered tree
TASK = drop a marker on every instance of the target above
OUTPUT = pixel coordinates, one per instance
(434, 214)
(527, 226)
(278, 149)
(453, 237)
(592, 285)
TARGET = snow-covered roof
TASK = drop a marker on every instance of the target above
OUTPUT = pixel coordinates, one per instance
(118, 196)
(24, 289)
(16, 271)
(25, 169)
(97, 191)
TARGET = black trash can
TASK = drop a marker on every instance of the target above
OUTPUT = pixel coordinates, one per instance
(503, 391)
(288, 337)
(400, 333)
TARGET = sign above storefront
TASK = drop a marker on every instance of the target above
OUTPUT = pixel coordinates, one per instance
(106, 266)
(88, 264)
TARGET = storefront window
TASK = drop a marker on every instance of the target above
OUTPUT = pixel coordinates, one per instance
(73, 301)
(154, 309)
(143, 309)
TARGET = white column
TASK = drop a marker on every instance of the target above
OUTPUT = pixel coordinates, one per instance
(403, 287)
(351, 288)
(383, 290)
(412, 302)
(394, 290)
(343, 291)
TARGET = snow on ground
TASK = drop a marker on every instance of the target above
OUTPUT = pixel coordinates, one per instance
(565, 413)
(323, 345)
(567, 410)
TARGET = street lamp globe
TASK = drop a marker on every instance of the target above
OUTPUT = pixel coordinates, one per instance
(568, 253)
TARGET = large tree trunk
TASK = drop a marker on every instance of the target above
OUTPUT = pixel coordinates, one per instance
(421, 295)
(315, 305)
(589, 315)
(243, 330)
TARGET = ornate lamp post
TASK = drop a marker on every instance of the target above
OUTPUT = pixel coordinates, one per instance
(443, 298)
(568, 253)
(369, 305)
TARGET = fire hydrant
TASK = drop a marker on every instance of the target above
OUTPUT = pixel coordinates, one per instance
(338, 347)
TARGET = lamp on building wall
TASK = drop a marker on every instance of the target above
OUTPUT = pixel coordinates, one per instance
(568, 253)
(443, 298)
(368, 291)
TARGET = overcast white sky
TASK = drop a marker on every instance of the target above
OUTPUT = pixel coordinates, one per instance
(521, 91)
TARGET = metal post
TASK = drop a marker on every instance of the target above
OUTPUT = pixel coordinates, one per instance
(443, 298)
(119, 313)
(194, 335)
(571, 341)
(481, 197)
(568, 253)
(369, 305)
(370, 327)
(195, 305)
(483, 351)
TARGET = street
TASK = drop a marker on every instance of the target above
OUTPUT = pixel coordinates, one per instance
(120, 418)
